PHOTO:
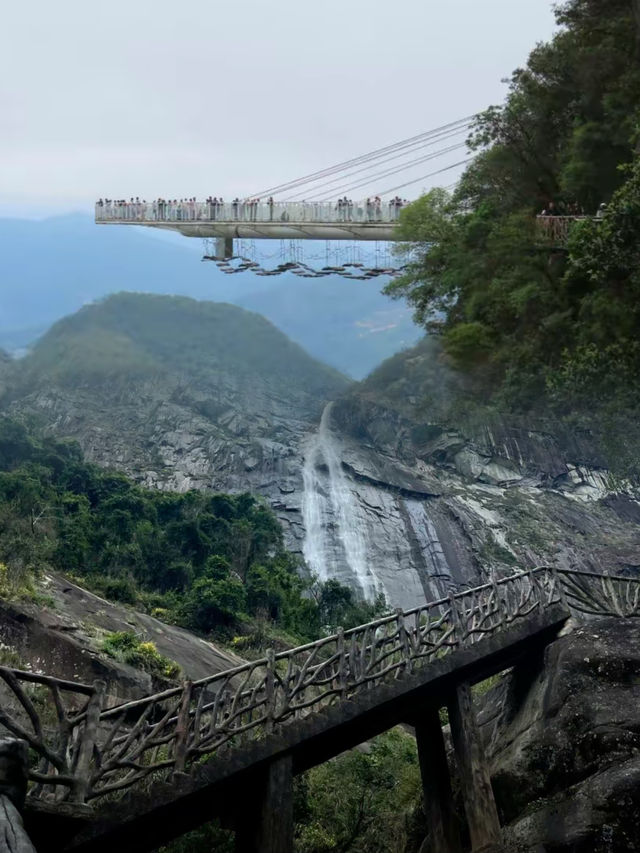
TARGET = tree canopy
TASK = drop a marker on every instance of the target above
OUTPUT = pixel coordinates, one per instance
(531, 322)
(210, 562)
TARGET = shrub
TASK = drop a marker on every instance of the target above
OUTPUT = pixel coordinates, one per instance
(126, 647)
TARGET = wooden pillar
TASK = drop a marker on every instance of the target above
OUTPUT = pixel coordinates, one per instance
(13, 787)
(444, 835)
(479, 803)
(266, 826)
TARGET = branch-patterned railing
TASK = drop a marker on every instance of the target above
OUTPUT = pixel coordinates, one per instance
(85, 751)
(59, 721)
(594, 594)
(558, 228)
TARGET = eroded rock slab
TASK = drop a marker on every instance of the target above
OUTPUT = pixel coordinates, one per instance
(563, 735)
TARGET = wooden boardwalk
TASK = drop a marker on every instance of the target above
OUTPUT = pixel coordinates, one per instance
(133, 776)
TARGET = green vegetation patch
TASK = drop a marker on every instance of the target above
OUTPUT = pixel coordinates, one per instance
(127, 647)
(213, 563)
(527, 320)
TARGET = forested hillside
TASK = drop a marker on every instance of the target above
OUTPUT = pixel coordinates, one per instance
(213, 563)
(131, 335)
(533, 325)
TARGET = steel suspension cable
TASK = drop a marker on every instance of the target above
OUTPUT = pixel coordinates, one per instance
(396, 170)
(379, 152)
(424, 177)
(341, 177)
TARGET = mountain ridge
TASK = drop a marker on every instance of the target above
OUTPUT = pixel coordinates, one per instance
(52, 267)
(391, 487)
(151, 334)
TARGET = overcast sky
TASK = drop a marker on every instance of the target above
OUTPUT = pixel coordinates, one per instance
(161, 97)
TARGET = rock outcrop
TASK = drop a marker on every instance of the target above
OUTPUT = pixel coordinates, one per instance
(380, 492)
(563, 736)
(487, 498)
(63, 638)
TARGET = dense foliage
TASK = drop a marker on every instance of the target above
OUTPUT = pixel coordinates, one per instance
(211, 562)
(531, 322)
(364, 801)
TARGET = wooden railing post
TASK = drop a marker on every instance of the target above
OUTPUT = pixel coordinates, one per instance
(558, 584)
(182, 729)
(500, 608)
(535, 589)
(343, 682)
(82, 774)
(270, 692)
(13, 787)
(455, 619)
(404, 641)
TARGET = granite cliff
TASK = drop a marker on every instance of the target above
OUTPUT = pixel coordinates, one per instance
(378, 484)
(562, 734)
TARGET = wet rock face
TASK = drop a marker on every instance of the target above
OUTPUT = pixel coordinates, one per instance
(563, 735)
(498, 494)
(385, 504)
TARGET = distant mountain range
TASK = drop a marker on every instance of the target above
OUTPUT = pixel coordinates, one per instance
(50, 268)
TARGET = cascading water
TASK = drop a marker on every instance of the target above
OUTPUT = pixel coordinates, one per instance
(333, 528)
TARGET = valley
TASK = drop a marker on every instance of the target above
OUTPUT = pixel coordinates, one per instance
(368, 489)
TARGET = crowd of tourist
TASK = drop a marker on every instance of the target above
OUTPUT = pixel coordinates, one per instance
(370, 211)
(571, 209)
(246, 210)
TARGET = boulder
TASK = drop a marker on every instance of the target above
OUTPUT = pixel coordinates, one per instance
(563, 736)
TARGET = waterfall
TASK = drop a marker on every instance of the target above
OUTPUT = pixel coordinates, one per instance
(333, 527)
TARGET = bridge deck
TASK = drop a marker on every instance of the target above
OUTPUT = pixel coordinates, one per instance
(253, 220)
(142, 820)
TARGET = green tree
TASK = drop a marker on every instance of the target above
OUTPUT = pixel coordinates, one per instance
(518, 314)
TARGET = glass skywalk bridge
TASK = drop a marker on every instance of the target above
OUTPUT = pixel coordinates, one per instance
(253, 220)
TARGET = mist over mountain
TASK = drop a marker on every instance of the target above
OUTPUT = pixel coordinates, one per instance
(130, 336)
(50, 268)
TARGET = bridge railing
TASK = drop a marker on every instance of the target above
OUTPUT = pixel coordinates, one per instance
(247, 212)
(168, 731)
(85, 751)
(558, 228)
(59, 721)
(594, 594)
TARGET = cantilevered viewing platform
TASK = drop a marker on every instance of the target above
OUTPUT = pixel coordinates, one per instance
(259, 217)
(253, 220)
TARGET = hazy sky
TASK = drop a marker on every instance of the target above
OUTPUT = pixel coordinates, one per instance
(161, 97)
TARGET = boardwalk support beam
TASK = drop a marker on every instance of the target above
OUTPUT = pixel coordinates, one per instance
(269, 829)
(479, 803)
(444, 835)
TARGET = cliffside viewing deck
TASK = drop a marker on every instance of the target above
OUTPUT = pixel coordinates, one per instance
(131, 776)
(558, 228)
(320, 220)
